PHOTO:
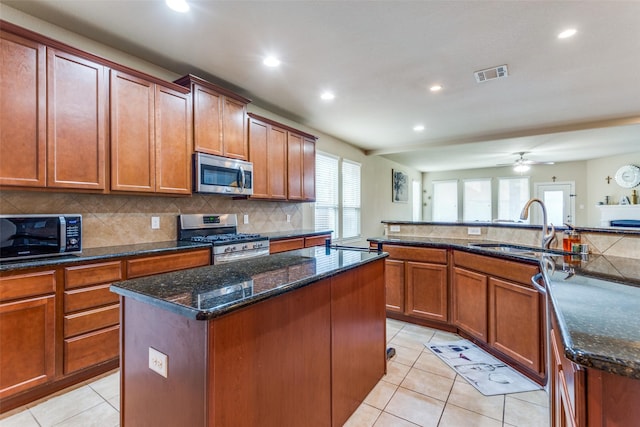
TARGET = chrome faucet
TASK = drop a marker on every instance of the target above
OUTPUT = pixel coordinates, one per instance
(547, 236)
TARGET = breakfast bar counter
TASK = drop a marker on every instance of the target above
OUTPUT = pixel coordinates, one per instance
(296, 338)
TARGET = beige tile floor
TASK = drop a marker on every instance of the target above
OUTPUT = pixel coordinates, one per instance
(418, 390)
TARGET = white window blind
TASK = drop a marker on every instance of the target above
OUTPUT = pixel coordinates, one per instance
(477, 200)
(350, 199)
(445, 201)
(326, 207)
(513, 194)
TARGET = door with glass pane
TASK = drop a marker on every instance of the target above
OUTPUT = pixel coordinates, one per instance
(559, 200)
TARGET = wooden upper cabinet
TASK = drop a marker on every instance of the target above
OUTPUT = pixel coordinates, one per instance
(133, 159)
(309, 169)
(150, 136)
(173, 141)
(22, 112)
(268, 153)
(76, 121)
(219, 119)
(295, 166)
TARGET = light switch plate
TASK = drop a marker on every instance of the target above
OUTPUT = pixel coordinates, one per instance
(158, 362)
(474, 231)
(288, 218)
(246, 219)
(394, 228)
(155, 222)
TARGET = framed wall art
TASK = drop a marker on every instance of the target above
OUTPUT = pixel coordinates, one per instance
(399, 186)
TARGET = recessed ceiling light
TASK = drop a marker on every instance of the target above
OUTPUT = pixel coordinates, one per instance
(418, 128)
(178, 5)
(435, 88)
(271, 61)
(567, 33)
(327, 95)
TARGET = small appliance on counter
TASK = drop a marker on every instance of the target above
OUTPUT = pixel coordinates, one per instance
(37, 236)
(221, 230)
(220, 175)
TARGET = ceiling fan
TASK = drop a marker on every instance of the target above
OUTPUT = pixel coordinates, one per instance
(522, 165)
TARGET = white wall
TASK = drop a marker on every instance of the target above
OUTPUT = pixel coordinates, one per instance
(376, 171)
(589, 176)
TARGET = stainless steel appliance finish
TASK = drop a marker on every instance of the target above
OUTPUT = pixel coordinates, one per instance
(220, 175)
(221, 231)
(37, 236)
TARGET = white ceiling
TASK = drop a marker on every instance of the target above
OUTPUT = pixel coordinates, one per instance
(564, 100)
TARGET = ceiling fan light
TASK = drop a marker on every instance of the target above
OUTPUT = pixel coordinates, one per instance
(521, 167)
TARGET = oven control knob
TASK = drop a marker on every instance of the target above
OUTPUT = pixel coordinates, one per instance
(245, 247)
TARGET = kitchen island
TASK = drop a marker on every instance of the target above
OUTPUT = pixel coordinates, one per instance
(296, 338)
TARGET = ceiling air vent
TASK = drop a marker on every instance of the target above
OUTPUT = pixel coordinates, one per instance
(491, 73)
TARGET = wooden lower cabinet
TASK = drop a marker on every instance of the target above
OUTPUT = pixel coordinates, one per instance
(148, 265)
(469, 290)
(276, 246)
(27, 331)
(321, 240)
(304, 358)
(416, 281)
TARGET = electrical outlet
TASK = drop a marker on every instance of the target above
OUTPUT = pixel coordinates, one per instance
(158, 362)
(394, 228)
(474, 231)
(288, 218)
(246, 219)
(155, 222)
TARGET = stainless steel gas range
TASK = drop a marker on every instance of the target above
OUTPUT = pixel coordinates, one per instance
(221, 230)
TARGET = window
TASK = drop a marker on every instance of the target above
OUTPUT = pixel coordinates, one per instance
(477, 200)
(513, 194)
(350, 199)
(337, 204)
(326, 216)
(445, 201)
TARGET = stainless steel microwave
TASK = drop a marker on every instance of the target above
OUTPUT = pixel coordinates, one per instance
(35, 236)
(220, 175)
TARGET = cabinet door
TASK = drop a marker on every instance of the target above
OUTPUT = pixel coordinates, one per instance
(23, 136)
(309, 170)
(77, 122)
(27, 340)
(277, 170)
(133, 161)
(173, 141)
(514, 323)
(234, 129)
(258, 154)
(470, 302)
(207, 120)
(294, 170)
(427, 294)
(394, 285)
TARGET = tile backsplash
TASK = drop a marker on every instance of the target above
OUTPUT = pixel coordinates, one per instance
(110, 220)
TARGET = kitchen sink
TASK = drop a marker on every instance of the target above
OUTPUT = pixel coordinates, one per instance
(515, 249)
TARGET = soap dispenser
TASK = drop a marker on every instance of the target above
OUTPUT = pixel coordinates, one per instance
(570, 237)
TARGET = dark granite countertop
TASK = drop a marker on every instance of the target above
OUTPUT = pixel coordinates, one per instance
(291, 234)
(596, 299)
(99, 254)
(208, 292)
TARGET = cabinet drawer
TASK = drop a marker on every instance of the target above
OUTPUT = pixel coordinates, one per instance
(91, 349)
(286, 245)
(512, 270)
(27, 285)
(92, 274)
(88, 321)
(82, 299)
(165, 263)
(409, 253)
(316, 240)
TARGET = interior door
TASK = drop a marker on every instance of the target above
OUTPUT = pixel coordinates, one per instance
(559, 198)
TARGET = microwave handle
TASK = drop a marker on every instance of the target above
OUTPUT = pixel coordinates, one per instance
(242, 178)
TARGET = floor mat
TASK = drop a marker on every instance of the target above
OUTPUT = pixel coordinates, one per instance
(487, 374)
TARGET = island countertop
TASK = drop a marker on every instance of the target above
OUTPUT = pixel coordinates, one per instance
(596, 299)
(208, 292)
